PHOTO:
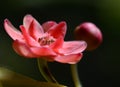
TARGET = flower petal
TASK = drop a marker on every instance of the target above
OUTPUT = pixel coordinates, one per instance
(57, 44)
(22, 49)
(27, 22)
(43, 51)
(30, 41)
(73, 47)
(58, 30)
(12, 31)
(47, 25)
(34, 31)
(70, 59)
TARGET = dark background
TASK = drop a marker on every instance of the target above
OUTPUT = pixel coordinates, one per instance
(99, 68)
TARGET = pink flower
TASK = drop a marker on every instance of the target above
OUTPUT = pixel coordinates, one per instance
(90, 33)
(44, 41)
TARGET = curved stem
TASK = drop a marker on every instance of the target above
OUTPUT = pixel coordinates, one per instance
(43, 67)
(75, 75)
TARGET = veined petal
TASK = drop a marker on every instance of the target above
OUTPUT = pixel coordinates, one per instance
(30, 41)
(47, 25)
(70, 59)
(22, 49)
(58, 30)
(35, 31)
(73, 47)
(12, 31)
(27, 22)
(43, 51)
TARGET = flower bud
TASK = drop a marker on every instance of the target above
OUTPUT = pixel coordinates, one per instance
(90, 33)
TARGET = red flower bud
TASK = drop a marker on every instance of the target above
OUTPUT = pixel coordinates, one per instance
(90, 33)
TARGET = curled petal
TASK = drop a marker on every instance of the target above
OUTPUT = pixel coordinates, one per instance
(58, 30)
(22, 49)
(43, 51)
(73, 47)
(30, 41)
(27, 22)
(47, 25)
(70, 59)
(35, 31)
(12, 31)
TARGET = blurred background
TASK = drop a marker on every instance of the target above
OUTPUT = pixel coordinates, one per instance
(99, 68)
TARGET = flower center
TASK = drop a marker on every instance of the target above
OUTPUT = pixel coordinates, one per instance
(46, 40)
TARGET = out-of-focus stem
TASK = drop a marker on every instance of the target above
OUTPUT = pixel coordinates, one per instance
(75, 75)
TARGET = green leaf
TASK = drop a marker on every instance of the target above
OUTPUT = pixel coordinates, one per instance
(9, 78)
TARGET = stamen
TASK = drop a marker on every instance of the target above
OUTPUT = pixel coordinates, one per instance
(39, 39)
(46, 40)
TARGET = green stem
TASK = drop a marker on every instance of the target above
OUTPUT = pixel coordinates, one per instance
(75, 75)
(43, 67)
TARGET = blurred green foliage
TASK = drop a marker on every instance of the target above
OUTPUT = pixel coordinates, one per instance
(99, 68)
